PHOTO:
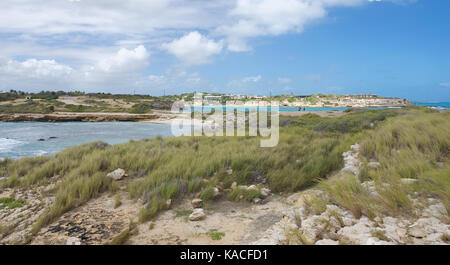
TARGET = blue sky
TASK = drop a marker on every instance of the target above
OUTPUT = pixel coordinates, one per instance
(390, 48)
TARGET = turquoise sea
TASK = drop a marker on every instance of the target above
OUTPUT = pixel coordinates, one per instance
(437, 105)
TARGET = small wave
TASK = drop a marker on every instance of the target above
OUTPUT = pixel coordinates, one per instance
(7, 144)
(39, 153)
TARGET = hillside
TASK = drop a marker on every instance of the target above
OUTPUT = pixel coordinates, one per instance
(396, 168)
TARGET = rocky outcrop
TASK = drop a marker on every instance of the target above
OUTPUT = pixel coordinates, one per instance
(16, 223)
(336, 225)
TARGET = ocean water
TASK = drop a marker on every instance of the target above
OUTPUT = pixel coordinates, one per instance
(247, 108)
(437, 105)
(19, 139)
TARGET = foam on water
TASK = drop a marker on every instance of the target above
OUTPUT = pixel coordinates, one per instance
(7, 144)
(19, 139)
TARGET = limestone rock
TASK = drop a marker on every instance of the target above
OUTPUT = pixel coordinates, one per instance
(216, 192)
(73, 241)
(252, 187)
(256, 200)
(408, 181)
(233, 185)
(265, 192)
(168, 203)
(197, 203)
(197, 215)
(117, 174)
(327, 242)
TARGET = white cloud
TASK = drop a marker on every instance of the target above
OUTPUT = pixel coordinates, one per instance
(122, 69)
(33, 68)
(270, 18)
(125, 60)
(445, 84)
(193, 48)
(99, 44)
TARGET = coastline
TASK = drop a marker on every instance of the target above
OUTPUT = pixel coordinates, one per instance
(76, 117)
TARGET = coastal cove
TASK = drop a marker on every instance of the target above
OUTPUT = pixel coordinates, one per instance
(19, 139)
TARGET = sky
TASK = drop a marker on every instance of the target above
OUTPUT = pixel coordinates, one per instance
(394, 48)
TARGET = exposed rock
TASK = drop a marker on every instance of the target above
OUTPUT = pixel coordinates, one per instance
(117, 174)
(327, 242)
(257, 200)
(440, 164)
(233, 185)
(416, 231)
(229, 171)
(168, 203)
(252, 187)
(216, 192)
(376, 241)
(355, 147)
(197, 215)
(408, 181)
(197, 203)
(357, 233)
(73, 241)
(265, 192)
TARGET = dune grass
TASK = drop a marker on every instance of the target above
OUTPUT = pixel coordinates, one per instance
(310, 149)
(409, 147)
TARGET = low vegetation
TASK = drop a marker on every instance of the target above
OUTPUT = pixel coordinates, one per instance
(413, 152)
(214, 234)
(409, 143)
(11, 203)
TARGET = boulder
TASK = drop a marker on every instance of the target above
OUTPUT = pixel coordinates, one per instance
(197, 203)
(168, 203)
(197, 215)
(216, 192)
(117, 174)
(265, 192)
(73, 241)
(233, 185)
(252, 187)
(229, 171)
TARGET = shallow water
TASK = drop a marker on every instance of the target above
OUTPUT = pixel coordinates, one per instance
(19, 139)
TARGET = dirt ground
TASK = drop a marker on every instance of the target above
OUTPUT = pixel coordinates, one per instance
(98, 221)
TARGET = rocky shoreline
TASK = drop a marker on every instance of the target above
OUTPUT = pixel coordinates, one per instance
(77, 117)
